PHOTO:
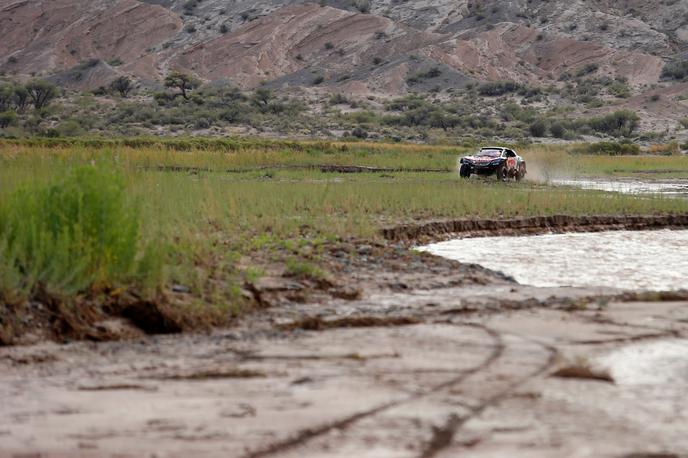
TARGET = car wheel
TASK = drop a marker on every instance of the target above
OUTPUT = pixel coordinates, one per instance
(465, 171)
(501, 172)
(521, 174)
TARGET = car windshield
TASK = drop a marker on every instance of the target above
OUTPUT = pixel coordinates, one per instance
(490, 153)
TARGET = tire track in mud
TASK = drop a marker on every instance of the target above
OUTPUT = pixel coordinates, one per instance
(306, 435)
(444, 435)
(659, 333)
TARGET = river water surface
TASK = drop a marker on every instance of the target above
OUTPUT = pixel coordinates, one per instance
(676, 188)
(638, 260)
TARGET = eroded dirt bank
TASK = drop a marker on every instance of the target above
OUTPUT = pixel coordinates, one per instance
(425, 232)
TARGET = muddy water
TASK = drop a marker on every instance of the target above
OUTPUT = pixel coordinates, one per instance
(668, 188)
(653, 363)
(637, 260)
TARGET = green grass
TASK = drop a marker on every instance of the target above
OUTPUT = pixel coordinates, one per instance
(70, 234)
(79, 217)
(555, 160)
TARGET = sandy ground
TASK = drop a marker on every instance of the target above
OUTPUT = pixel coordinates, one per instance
(468, 371)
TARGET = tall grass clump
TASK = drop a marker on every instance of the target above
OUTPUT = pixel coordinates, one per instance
(73, 235)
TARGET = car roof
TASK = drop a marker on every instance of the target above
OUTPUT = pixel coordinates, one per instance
(500, 148)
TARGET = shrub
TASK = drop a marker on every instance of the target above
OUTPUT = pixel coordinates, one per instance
(434, 72)
(69, 128)
(303, 269)
(619, 89)
(6, 92)
(338, 99)
(497, 88)
(611, 149)
(665, 149)
(587, 70)
(620, 123)
(538, 128)
(362, 5)
(69, 236)
(358, 132)
(558, 130)
(7, 118)
(675, 70)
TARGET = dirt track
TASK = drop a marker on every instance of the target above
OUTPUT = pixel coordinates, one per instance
(467, 371)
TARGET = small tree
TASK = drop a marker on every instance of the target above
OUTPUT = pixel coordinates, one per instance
(20, 98)
(183, 82)
(558, 130)
(6, 97)
(619, 123)
(7, 118)
(262, 97)
(122, 85)
(41, 93)
(538, 128)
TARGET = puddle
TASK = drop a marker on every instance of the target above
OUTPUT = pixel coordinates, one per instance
(638, 260)
(669, 188)
(654, 363)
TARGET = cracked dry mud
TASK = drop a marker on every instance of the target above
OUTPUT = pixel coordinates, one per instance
(468, 370)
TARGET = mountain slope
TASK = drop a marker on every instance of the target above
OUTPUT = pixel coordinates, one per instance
(355, 45)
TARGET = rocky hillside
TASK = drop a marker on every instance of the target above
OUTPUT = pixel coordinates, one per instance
(384, 47)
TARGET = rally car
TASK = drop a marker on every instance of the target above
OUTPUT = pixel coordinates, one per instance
(494, 160)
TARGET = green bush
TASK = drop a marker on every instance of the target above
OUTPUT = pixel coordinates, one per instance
(70, 236)
(69, 128)
(620, 123)
(538, 128)
(587, 70)
(675, 70)
(497, 88)
(611, 149)
(7, 118)
(558, 130)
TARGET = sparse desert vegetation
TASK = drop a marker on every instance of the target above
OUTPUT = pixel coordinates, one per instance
(469, 115)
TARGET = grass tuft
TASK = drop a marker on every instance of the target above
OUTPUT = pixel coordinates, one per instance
(71, 235)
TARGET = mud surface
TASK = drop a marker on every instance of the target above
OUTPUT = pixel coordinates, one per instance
(474, 371)
(398, 354)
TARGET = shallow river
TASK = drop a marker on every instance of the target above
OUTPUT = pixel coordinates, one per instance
(639, 260)
(668, 188)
